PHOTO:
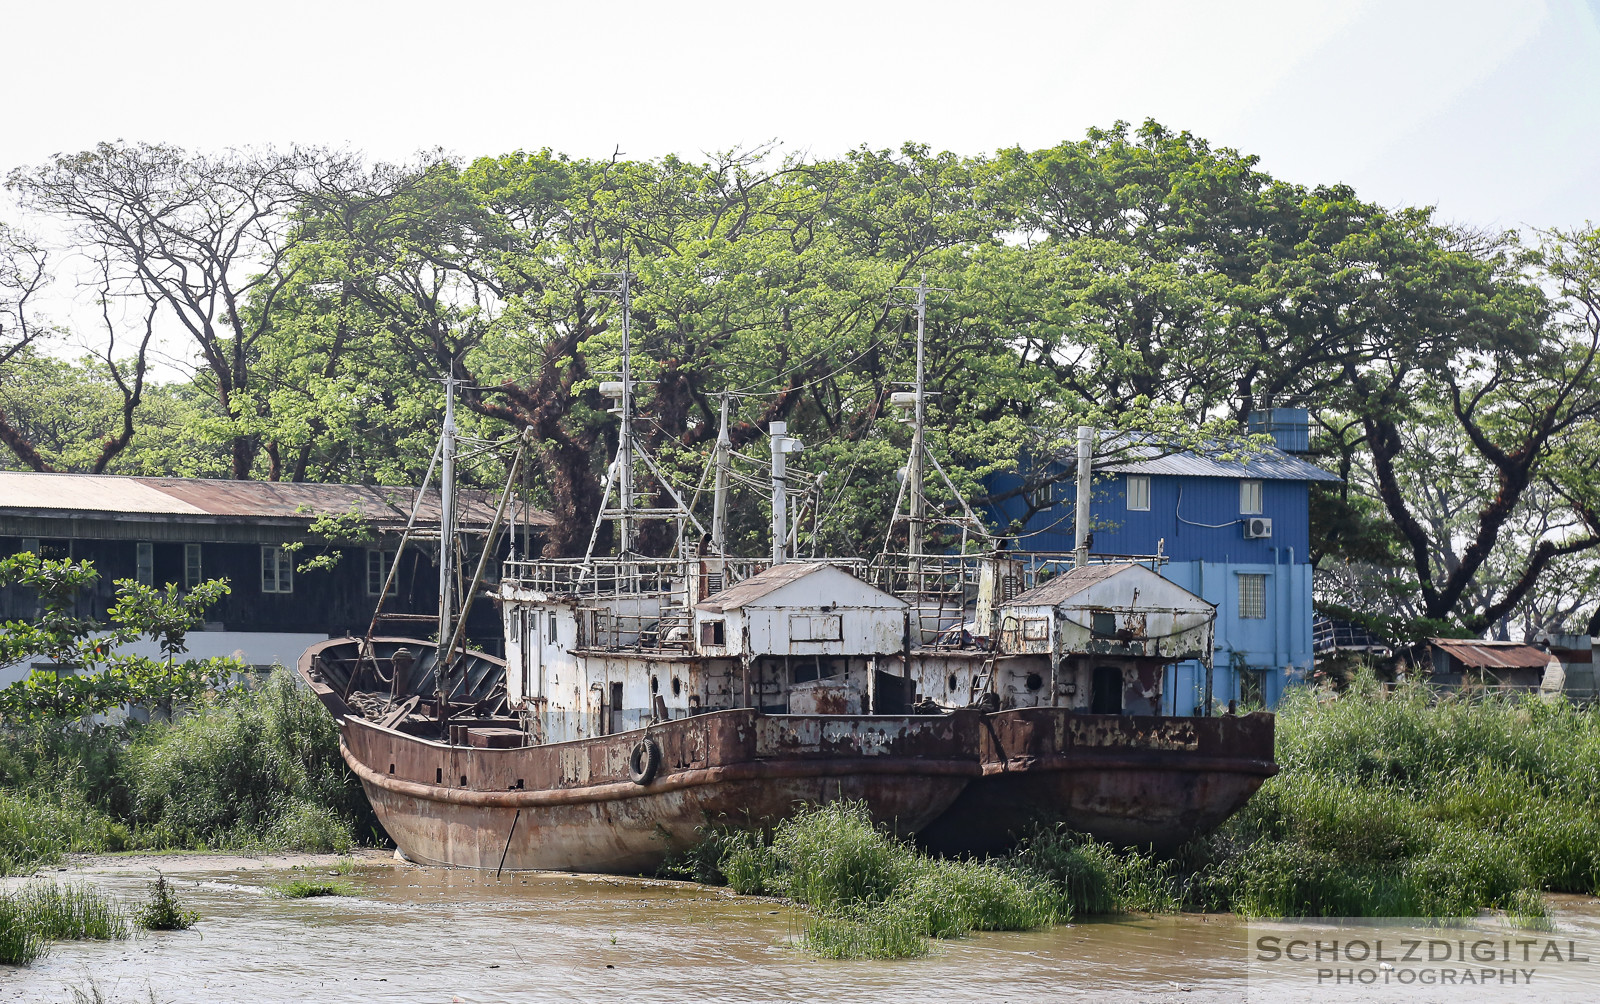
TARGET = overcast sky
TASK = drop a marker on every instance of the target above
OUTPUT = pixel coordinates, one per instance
(1491, 110)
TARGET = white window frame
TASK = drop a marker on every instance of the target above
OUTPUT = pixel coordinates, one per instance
(193, 567)
(1138, 492)
(1250, 496)
(144, 563)
(1043, 496)
(385, 559)
(1252, 598)
(277, 569)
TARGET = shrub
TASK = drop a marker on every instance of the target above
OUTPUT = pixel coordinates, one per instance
(873, 896)
(163, 912)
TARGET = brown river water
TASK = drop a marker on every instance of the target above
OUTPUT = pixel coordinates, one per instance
(419, 934)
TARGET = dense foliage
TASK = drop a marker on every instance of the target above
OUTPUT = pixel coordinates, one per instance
(246, 768)
(1137, 277)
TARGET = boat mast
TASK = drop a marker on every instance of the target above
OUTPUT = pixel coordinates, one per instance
(625, 448)
(447, 527)
(719, 490)
(919, 499)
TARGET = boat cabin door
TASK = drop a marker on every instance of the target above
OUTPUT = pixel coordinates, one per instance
(1107, 691)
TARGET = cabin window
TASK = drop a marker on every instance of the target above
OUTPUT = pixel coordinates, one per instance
(277, 569)
(1252, 597)
(1035, 629)
(1103, 623)
(192, 569)
(814, 669)
(145, 563)
(713, 633)
(551, 617)
(1249, 497)
(1139, 492)
(816, 627)
(378, 562)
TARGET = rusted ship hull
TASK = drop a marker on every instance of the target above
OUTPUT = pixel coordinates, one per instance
(1127, 779)
(573, 805)
(582, 805)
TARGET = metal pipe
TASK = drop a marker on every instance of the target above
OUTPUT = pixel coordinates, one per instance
(1085, 472)
(917, 529)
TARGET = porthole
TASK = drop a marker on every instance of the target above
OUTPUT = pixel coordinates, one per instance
(1035, 682)
(677, 686)
(952, 682)
(655, 685)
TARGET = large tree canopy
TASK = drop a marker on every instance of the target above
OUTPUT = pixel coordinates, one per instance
(1137, 278)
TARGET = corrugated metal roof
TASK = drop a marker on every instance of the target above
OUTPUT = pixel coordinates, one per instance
(1475, 654)
(1069, 584)
(277, 500)
(759, 585)
(1137, 453)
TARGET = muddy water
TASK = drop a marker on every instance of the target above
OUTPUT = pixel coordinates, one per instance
(422, 934)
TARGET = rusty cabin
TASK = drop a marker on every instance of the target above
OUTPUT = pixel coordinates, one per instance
(1098, 638)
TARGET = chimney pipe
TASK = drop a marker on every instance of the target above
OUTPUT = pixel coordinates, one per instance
(1085, 472)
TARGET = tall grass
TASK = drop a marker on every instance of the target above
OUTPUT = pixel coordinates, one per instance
(1406, 803)
(873, 896)
(248, 769)
(72, 912)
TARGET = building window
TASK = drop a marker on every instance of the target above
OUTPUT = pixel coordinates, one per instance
(1103, 623)
(378, 562)
(1253, 686)
(1250, 497)
(553, 638)
(144, 567)
(1042, 496)
(31, 544)
(1139, 492)
(191, 566)
(277, 569)
(1252, 597)
(711, 633)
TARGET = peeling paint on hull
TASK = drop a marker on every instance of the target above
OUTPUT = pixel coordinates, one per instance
(1127, 779)
(572, 806)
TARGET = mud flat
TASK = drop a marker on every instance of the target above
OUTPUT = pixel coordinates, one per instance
(437, 935)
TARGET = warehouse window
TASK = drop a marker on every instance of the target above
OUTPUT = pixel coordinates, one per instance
(145, 563)
(378, 562)
(191, 566)
(277, 569)
(1252, 597)
(1139, 492)
(1250, 497)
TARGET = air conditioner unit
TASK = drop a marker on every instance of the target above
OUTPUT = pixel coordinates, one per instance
(1256, 528)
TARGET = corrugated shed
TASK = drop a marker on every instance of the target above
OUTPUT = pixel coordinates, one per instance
(1476, 654)
(243, 500)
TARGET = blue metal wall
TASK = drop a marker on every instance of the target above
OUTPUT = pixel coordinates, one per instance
(1196, 520)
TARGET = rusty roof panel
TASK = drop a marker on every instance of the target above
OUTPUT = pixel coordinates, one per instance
(758, 585)
(1475, 654)
(277, 500)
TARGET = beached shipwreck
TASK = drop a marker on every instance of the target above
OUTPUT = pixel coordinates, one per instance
(961, 697)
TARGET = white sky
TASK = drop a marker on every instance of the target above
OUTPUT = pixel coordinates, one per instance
(1489, 109)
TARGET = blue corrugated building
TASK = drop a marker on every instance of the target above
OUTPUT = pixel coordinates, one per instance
(1236, 532)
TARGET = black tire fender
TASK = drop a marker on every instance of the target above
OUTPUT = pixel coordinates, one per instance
(644, 761)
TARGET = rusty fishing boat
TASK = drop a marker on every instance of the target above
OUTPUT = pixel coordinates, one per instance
(960, 696)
